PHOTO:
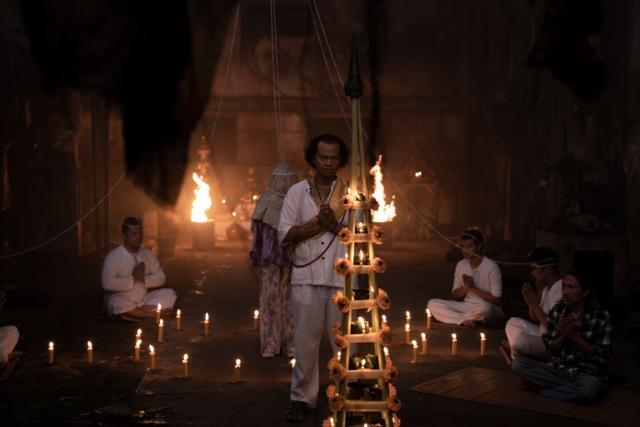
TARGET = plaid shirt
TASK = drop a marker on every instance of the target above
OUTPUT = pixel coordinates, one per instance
(595, 328)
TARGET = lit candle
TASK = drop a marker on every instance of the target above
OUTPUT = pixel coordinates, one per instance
(361, 257)
(50, 358)
(292, 363)
(339, 355)
(362, 324)
(256, 317)
(178, 320)
(136, 351)
(206, 324)
(152, 357)
(224, 201)
(161, 331)
(89, 353)
(454, 344)
(254, 197)
(483, 343)
(387, 358)
(428, 318)
(407, 333)
(332, 422)
(236, 371)
(185, 365)
(414, 356)
(361, 228)
(423, 339)
(138, 334)
(363, 363)
(407, 315)
(384, 320)
(158, 311)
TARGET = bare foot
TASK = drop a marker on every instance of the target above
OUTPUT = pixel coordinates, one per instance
(506, 352)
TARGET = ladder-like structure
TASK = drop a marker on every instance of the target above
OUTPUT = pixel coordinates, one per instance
(375, 373)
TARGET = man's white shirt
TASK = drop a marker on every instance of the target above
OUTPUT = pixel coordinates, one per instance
(118, 266)
(486, 277)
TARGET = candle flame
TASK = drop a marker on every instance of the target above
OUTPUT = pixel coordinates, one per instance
(454, 337)
(385, 212)
(206, 317)
(386, 351)
(482, 336)
(233, 214)
(138, 343)
(292, 363)
(361, 255)
(428, 312)
(178, 313)
(384, 318)
(202, 201)
(363, 362)
(224, 201)
(361, 321)
(238, 363)
(408, 314)
(256, 314)
(414, 343)
(423, 336)
(407, 327)
(152, 350)
(139, 333)
(50, 345)
(333, 423)
(89, 345)
(159, 307)
(185, 358)
(339, 354)
(161, 323)
(254, 197)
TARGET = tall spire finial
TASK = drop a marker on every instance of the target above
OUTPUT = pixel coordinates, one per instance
(353, 87)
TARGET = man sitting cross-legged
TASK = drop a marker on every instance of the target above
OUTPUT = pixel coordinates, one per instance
(128, 272)
(478, 281)
(525, 337)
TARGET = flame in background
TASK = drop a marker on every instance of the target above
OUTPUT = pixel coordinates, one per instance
(386, 212)
(202, 201)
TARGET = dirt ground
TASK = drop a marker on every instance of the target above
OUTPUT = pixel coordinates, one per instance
(53, 298)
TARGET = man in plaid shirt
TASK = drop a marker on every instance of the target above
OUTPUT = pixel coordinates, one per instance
(578, 337)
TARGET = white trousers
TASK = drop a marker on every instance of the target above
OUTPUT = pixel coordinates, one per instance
(313, 313)
(524, 338)
(119, 303)
(456, 312)
(9, 336)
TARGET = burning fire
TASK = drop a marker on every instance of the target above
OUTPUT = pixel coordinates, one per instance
(202, 202)
(386, 212)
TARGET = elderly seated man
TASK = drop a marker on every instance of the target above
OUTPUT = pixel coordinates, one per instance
(128, 272)
(477, 281)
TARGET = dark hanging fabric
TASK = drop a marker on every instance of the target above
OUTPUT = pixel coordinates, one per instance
(153, 60)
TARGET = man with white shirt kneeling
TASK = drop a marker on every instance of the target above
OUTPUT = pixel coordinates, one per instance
(478, 281)
(128, 272)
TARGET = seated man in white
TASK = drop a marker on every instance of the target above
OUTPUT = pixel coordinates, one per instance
(477, 281)
(525, 337)
(128, 272)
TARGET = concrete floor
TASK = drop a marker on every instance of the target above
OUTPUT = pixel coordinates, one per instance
(116, 391)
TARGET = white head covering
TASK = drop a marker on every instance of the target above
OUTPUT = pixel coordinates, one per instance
(270, 204)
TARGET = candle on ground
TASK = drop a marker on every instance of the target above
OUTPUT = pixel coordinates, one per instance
(256, 318)
(178, 320)
(414, 351)
(407, 315)
(483, 343)
(407, 333)
(206, 324)
(89, 353)
(138, 334)
(158, 311)
(161, 331)
(423, 341)
(136, 351)
(185, 365)
(50, 358)
(236, 371)
(428, 318)
(152, 357)
(454, 344)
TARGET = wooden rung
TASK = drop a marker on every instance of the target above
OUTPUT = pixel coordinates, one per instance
(365, 406)
(365, 374)
(360, 304)
(362, 338)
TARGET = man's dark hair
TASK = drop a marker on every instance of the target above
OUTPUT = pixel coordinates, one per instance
(474, 235)
(312, 149)
(131, 220)
(544, 257)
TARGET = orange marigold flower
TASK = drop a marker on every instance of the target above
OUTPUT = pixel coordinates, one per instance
(342, 266)
(344, 235)
(390, 374)
(393, 403)
(382, 300)
(385, 337)
(377, 235)
(379, 266)
(337, 372)
(336, 403)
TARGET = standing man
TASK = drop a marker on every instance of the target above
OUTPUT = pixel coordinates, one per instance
(128, 272)
(477, 281)
(578, 337)
(309, 221)
(525, 337)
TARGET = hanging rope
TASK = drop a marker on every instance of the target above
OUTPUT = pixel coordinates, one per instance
(275, 66)
(313, 8)
(71, 227)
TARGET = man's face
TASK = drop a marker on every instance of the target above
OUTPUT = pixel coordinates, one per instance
(327, 160)
(539, 274)
(133, 236)
(572, 293)
(469, 248)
